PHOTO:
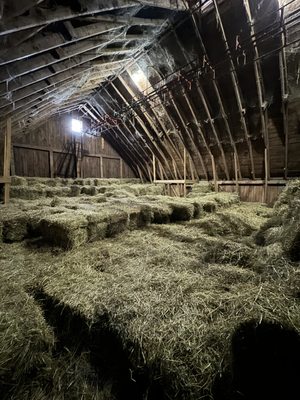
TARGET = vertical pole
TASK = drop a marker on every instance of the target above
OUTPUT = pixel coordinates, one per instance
(51, 164)
(266, 177)
(214, 174)
(121, 168)
(154, 167)
(7, 156)
(184, 171)
(101, 167)
(236, 173)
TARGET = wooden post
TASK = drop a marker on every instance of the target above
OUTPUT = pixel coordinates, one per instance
(101, 167)
(284, 93)
(266, 177)
(215, 174)
(121, 168)
(236, 173)
(154, 167)
(51, 164)
(7, 157)
(184, 171)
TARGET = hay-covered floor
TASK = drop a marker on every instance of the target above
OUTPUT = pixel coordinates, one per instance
(147, 312)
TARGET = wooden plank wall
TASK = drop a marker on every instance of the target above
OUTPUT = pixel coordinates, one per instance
(255, 193)
(49, 151)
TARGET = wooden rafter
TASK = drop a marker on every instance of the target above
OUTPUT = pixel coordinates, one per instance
(213, 81)
(61, 13)
(163, 149)
(236, 88)
(73, 53)
(284, 93)
(263, 110)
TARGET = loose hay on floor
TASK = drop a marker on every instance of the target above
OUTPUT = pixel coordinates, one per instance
(173, 293)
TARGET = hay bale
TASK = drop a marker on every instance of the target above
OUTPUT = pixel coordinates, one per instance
(239, 220)
(88, 181)
(201, 188)
(156, 212)
(97, 225)
(181, 210)
(66, 181)
(75, 191)
(18, 181)
(66, 230)
(27, 193)
(118, 193)
(89, 190)
(117, 222)
(14, 225)
(260, 236)
(79, 182)
(52, 182)
(57, 191)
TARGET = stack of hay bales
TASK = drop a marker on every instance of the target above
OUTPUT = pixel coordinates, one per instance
(201, 188)
(284, 226)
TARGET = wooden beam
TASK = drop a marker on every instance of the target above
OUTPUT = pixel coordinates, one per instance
(258, 182)
(64, 67)
(163, 149)
(47, 87)
(51, 164)
(212, 125)
(143, 126)
(184, 172)
(6, 160)
(174, 181)
(61, 13)
(74, 54)
(101, 167)
(266, 178)
(50, 41)
(136, 151)
(263, 111)
(237, 90)
(121, 168)
(199, 131)
(236, 173)
(154, 168)
(215, 177)
(284, 93)
(215, 86)
(154, 109)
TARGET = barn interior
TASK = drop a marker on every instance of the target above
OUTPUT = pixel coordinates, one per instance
(149, 199)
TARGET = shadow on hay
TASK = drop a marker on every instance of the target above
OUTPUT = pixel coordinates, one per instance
(107, 356)
(265, 364)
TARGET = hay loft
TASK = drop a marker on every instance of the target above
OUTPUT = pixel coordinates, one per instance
(149, 200)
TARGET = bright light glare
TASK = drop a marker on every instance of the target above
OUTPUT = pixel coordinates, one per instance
(139, 78)
(76, 125)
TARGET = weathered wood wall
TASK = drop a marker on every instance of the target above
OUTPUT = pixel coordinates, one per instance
(255, 193)
(52, 149)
